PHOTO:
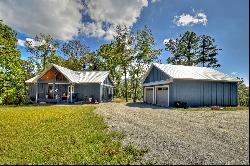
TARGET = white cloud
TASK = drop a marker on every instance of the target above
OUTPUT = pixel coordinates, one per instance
(60, 18)
(21, 42)
(154, 1)
(234, 73)
(63, 19)
(107, 14)
(187, 19)
(165, 41)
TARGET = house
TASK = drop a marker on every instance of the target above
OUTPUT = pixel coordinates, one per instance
(165, 84)
(59, 84)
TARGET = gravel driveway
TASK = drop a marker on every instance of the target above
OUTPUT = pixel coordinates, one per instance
(181, 137)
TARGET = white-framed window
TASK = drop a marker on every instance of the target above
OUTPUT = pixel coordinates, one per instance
(73, 89)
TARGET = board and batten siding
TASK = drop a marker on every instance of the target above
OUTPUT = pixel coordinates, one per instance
(204, 93)
(155, 75)
(87, 89)
(106, 90)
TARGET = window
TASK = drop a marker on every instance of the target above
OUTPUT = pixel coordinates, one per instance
(69, 89)
(149, 89)
(164, 88)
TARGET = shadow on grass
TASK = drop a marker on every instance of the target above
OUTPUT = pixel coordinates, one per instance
(145, 105)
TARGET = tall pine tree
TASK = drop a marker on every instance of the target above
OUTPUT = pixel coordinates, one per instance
(208, 52)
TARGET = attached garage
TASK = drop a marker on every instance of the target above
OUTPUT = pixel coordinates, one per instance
(149, 95)
(165, 84)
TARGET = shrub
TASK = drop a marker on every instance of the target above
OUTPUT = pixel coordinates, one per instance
(180, 104)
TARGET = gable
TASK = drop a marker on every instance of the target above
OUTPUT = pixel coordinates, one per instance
(156, 75)
(53, 75)
(108, 81)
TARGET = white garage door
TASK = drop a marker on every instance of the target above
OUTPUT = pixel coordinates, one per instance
(149, 95)
(162, 96)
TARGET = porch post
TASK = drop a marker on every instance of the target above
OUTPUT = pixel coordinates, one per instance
(71, 93)
(36, 85)
(53, 89)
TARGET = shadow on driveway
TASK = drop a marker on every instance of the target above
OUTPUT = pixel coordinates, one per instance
(144, 105)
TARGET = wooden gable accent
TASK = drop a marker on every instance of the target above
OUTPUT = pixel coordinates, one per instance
(53, 74)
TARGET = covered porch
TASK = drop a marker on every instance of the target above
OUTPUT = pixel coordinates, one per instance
(55, 92)
(52, 87)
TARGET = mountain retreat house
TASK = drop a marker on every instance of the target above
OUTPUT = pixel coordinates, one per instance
(165, 84)
(58, 84)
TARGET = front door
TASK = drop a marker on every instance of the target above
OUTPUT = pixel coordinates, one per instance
(50, 92)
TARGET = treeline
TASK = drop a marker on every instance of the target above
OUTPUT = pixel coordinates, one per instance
(127, 57)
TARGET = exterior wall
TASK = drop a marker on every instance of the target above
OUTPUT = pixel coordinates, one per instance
(89, 89)
(107, 81)
(204, 93)
(155, 75)
(106, 93)
(82, 90)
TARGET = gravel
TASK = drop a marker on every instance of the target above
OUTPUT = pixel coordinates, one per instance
(181, 137)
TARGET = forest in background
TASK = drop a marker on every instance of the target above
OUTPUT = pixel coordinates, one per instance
(127, 57)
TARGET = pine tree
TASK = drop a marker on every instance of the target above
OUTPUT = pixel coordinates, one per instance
(208, 52)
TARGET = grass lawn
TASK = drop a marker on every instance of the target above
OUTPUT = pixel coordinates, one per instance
(60, 135)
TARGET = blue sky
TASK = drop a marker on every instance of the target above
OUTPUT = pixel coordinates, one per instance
(225, 20)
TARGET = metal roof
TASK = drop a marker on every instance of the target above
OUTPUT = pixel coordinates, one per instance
(194, 73)
(75, 76)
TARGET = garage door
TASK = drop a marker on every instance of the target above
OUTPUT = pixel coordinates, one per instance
(162, 96)
(149, 95)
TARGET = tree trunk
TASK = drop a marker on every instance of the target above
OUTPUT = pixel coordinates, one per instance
(126, 85)
(203, 53)
(44, 63)
(136, 83)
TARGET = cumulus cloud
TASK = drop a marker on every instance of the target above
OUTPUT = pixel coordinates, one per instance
(21, 42)
(189, 20)
(60, 18)
(63, 19)
(107, 14)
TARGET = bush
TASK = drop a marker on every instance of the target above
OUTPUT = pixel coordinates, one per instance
(180, 104)
(216, 108)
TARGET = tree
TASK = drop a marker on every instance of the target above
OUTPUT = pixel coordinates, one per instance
(42, 47)
(243, 93)
(109, 61)
(190, 49)
(123, 41)
(12, 74)
(93, 60)
(208, 52)
(30, 67)
(184, 49)
(74, 50)
(144, 54)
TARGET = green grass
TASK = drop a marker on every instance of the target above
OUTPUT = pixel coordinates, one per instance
(60, 135)
(122, 100)
(213, 108)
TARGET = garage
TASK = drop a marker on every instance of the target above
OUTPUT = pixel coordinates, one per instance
(162, 96)
(149, 95)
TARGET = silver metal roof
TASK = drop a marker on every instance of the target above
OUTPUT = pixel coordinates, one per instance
(194, 73)
(75, 76)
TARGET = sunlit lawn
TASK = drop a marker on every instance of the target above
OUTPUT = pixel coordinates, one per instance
(59, 135)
